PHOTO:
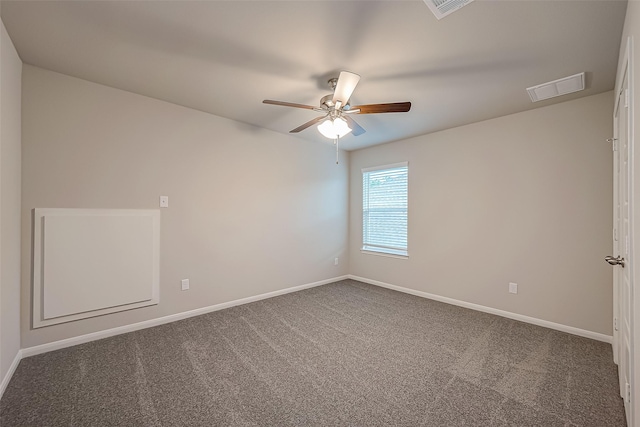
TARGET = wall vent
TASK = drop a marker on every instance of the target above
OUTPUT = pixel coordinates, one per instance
(442, 8)
(557, 87)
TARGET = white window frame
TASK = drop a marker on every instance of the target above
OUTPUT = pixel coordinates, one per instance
(377, 250)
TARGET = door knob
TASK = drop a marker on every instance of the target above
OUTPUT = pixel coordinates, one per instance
(615, 260)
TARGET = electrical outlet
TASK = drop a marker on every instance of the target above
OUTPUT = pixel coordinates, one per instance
(513, 288)
(185, 284)
(164, 201)
(335, 261)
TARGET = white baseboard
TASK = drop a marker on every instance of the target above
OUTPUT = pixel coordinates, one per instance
(56, 345)
(9, 374)
(535, 321)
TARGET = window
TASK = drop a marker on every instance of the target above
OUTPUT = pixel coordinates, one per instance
(384, 209)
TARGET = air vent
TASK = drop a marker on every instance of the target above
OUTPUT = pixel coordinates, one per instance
(442, 8)
(557, 87)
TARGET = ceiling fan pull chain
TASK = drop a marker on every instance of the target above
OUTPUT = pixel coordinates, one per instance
(337, 143)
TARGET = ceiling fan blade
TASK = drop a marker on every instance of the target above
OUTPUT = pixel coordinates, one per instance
(356, 129)
(347, 83)
(394, 107)
(308, 124)
(288, 104)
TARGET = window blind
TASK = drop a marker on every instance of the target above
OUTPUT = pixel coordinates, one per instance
(384, 209)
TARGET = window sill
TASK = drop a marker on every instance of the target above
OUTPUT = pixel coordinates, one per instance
(385, 254)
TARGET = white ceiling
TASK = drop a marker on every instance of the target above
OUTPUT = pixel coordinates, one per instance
(225, 57)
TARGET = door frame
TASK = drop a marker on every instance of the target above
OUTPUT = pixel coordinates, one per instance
(626, 67)
(615, 234)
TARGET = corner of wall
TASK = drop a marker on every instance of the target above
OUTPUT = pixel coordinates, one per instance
(10, 206)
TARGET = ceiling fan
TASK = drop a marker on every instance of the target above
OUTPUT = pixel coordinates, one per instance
(336, 110)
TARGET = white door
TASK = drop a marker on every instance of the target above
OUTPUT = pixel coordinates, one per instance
(622, 245)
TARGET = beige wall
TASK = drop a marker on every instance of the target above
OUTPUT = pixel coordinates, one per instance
(250, 211)
(525, 198)
(632, 31)
(10, 88)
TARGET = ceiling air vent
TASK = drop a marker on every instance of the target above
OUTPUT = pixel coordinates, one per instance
(557, 87)
(442, 8)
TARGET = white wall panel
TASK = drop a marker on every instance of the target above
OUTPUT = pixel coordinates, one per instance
(89, 262)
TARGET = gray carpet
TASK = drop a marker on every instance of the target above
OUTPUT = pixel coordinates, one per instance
(343, 354)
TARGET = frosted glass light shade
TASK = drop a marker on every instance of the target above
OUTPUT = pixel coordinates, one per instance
(333, 129)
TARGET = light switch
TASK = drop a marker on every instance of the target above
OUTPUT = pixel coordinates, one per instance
(164, 201)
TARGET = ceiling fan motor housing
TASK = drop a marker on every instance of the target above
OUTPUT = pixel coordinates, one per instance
(327, 102)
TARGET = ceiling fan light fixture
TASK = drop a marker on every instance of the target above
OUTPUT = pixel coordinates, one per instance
(334, 128)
